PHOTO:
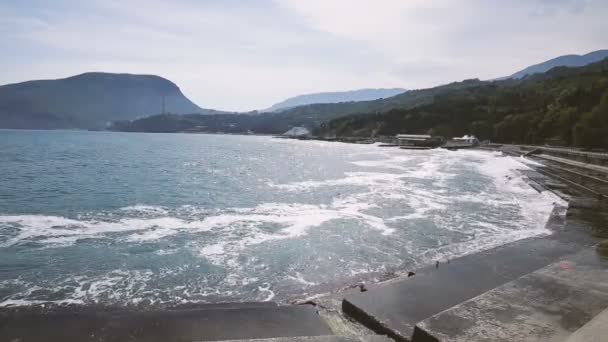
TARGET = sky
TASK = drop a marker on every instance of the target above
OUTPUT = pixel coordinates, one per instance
(240, 55)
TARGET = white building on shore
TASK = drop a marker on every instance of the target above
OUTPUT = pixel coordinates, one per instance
(297, 132)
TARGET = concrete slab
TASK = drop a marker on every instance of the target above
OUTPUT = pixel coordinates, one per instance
(546, 305)
(396, 307)
(233, 305)
(589, 166)
(586, 269)
(595, 330)
(583, 203)
(202, 324)
(328, 338)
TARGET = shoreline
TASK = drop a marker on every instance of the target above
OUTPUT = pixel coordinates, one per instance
(574, 228)
(400, 307)
(336, 287)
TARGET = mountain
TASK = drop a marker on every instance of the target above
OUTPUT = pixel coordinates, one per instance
(565, 105)
(309, 116)
(567, 60)
(315, 114)
(335, 97)
(90, 101)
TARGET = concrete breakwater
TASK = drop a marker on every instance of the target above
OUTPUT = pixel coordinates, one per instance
(485, 296)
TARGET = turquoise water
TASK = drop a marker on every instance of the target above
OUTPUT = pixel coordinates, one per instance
(150, 219)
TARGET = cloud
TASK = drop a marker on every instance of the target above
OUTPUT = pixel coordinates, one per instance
(431, 39)
(242, 55)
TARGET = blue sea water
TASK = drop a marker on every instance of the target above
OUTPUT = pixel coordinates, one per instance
(150, 219)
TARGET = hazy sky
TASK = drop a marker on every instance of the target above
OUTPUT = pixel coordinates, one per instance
(249, 54)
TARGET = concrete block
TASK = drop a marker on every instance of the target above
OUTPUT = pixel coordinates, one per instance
(546, 305)
(396, 307)
(202, 324)
(595, 330)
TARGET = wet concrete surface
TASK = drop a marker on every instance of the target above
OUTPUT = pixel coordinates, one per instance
(330, 338)
(546, 305)
(395, 307)
(234, 322)
(595, 330)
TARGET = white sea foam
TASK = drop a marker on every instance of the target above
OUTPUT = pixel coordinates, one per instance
(145, 209)
(497, 238)
(510, 189)
(62, 231)
(351, 178)
(535, 207)
(242, 230)
(300, 279)
(83, 289)
(528, 161)
(119, 286)
(296, 219)
(414, 185)
(265, 288)
(28, 302)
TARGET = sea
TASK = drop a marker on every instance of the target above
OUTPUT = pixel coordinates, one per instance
(134, 219)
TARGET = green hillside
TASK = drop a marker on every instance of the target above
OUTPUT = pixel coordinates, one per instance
(564, 105)
(567, 105)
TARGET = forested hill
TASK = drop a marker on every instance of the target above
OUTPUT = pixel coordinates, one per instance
(567, 105)
(310, 116)
(89, 100)
(315, 114)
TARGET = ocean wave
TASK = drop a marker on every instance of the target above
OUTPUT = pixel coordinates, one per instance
(118, 287)
(146, 209)
(243, 230)
(65, 231)
(295, 219)
(393, 195)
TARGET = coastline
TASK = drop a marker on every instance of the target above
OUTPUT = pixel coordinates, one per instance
(372, 179)
(347, 312)
(574, 229)
(392, 272)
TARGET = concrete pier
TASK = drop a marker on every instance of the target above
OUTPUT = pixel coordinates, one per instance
(395, 308)
(328, 338)
(595, 330)
(549, 304)
(447, 303)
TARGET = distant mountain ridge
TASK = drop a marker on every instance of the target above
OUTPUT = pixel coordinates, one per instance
(90, 101)
(567, 61)
(278, 122)
(367, 94)
(565, 103)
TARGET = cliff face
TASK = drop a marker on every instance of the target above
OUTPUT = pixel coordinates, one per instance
(89, 100)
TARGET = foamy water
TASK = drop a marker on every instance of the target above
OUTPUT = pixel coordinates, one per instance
(244, 218)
